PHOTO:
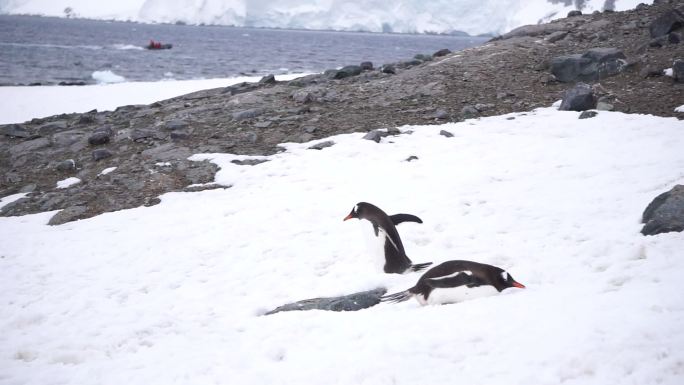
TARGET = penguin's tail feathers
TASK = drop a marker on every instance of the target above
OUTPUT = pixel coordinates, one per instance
(397, 297)
(420, 266)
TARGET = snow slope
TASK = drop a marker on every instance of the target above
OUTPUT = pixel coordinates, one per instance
(439, 16)
(25, 103)
(172, 294)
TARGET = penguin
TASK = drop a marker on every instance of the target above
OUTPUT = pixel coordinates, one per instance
(456, 281)
(384, 226)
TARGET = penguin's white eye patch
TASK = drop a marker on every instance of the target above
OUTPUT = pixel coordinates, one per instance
(356, 208)
(504, 275)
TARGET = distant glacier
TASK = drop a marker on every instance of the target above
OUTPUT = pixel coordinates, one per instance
(474, 17)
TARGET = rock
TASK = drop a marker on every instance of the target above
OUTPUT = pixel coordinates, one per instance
(648, 72)
(179, 135)
(347, 71)
(440, 114)
(587, 114)
(556, 36)
(446, 133)
(175, 124)
(641, 6)
(666, 23)
(658, 42)
(481, 107)
(351, 302)
(303, 96)
(67, 215)
(603, 106)
(388, 69)
(29, 188)
(138, 135)
(574, 13)
(101, 153)
(28, 146)
(268, 79)
(265, 124)
(321, 145)
(441, 52)
(166, 152)
(49, 128)
(423, 57)
(595, 64)
(66, 165)
(533, 30)
(678, 70)
(579, 98)
(674, 38)
(86, 119)
(665, 213)
(247, 114)
(16, 131)
(248, 162)
(366, 66)
(98, 138)
(469, 112)
(375, 135)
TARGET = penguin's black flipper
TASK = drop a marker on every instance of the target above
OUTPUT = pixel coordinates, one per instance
(400, 218)
(420, 266)
(451, 281)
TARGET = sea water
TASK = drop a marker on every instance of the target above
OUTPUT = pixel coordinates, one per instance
(45, 50)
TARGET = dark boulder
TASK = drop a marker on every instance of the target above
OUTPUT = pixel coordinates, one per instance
(366, 66)
(351, 302)
(67, 215)
(665, 213)
(268, 79)
(469, 112)
(574, 13)
(101, 153)
(347, 71)
(666, 23)
(388, 69)
(175, 124)
(595, 64)
(375, 135)
(674, 38)
(579, 98)
(66, 165)
(441, 52)
(321, 145)
(446, 133)
(248, 114)
(588, 114)
(100, 137)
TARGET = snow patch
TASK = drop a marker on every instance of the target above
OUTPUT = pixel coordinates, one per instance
(68, 182)
(668, 72)
(11, 198)
(107, 171)
(680, 108)
(107, 77)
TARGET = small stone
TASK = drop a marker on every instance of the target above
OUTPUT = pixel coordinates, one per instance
(587, 114)
(66, 165)
(137, 135)
(29, 188)
(674, 38)
(101, 153)
(251, 137)
(265, 124)
(412, 157)
(556, 36)
(678, 70)
(446, 134)
(321, 145)
(351, 302)
(665, 213)
(86, 119)
(440, 114)
(375, 135)
(98, 138)
(248, 162)
(179, 135)
(305, 137)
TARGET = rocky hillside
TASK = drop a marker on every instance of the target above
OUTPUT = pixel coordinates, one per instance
(529, 67)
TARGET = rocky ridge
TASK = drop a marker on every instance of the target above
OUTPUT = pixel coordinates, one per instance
(149, 144)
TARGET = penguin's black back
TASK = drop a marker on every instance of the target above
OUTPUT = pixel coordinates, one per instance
(458, 273)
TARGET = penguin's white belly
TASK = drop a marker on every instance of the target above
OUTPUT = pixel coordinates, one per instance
(376, 247)
(457, 294)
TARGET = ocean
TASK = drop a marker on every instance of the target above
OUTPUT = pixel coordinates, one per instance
(47, 51)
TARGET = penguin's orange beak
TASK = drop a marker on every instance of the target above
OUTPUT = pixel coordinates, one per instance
(348, 217)
(518, 285)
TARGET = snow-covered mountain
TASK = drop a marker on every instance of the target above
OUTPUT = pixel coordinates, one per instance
(405, 16)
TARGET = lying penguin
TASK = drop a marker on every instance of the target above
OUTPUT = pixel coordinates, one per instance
(456, 281)
(384, 227)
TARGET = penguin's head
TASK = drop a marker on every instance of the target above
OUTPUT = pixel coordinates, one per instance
(506, 281)
(355, 212)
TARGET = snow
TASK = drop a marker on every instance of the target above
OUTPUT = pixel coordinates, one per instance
(438, 16)
(20, 103)
(107, 170)
(172, 294)
(11, 198)
(68, 182)
(668, 72)
(680, 108)
(107, 77)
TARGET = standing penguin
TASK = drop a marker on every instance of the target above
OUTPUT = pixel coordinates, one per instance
(455, 281)
(384, 226)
